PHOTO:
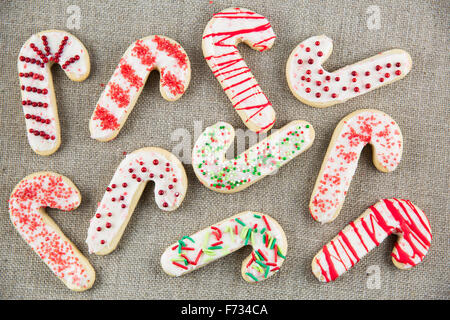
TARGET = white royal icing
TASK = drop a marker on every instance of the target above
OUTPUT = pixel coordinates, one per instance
(312, 84)
(43, 105)
(197, 250)
(223, 32)
(138, 167)
(123, 89)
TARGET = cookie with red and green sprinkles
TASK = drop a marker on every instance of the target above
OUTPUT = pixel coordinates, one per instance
(258, 230)
(232, 175)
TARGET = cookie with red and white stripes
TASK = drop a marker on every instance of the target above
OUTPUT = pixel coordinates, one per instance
(36, 57)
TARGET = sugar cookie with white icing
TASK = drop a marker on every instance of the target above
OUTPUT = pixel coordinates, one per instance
(232, 175)
(260, 231)
(359, 128)
(125, 189)
(126, 84)
(35, 60)
(388, 216)
(313, 85)
(26, 207)
(222, 34)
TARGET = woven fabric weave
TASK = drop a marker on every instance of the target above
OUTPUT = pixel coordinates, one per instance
(419, 104)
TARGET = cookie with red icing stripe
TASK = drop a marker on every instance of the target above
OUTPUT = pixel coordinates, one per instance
(388, 216)
(126, 84)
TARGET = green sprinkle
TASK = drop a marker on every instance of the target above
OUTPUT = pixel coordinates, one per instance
(209, 252)
(261, 264)
(230, 230)
(178, 259)
(215, 248)
(205, 240)
(280, 253)
(258, 256)
(262, 230)
(251, 276)
(240, 222)
(187, 237)
(248, 236)
(244, 232)
(267, 272)
(257, 216)
(273, 243)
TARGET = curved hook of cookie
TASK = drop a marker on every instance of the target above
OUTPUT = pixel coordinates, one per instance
(313, 85)
(125, 189)
(388, 216)
(260, 231)
(123, 89)
(36, 57)
(26, 208)
(228, 176)
(222, 34)
(341, 160)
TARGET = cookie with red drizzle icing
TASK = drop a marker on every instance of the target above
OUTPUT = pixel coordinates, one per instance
(388, 216)
(313, 85)
(123, 89)
(26, 208)
(35, 60)
(222, 34)
(260, 231)
(125, 189)
(359, 128)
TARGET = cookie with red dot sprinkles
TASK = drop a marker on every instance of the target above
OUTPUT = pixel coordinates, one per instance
(313, 85)
(35, 60)
(125, 189)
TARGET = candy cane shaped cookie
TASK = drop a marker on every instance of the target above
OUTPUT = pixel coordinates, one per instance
(260, 231)
(339, 165)
(388, 216)
(26, 208)
(222, 34)
(125, 189)
(126, 84)
(313, 85)
(228, 176)
(36, 57)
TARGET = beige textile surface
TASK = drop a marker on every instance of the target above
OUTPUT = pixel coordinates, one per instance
(419, 103)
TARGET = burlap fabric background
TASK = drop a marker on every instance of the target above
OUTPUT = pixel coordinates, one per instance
(419, 103)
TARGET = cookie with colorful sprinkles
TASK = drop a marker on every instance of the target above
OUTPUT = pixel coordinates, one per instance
(232, 175)
(26, 207)
(262, 232)
(123, 89)
(125, 189)
(313, 85)
(388, 216)
(36, 57)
